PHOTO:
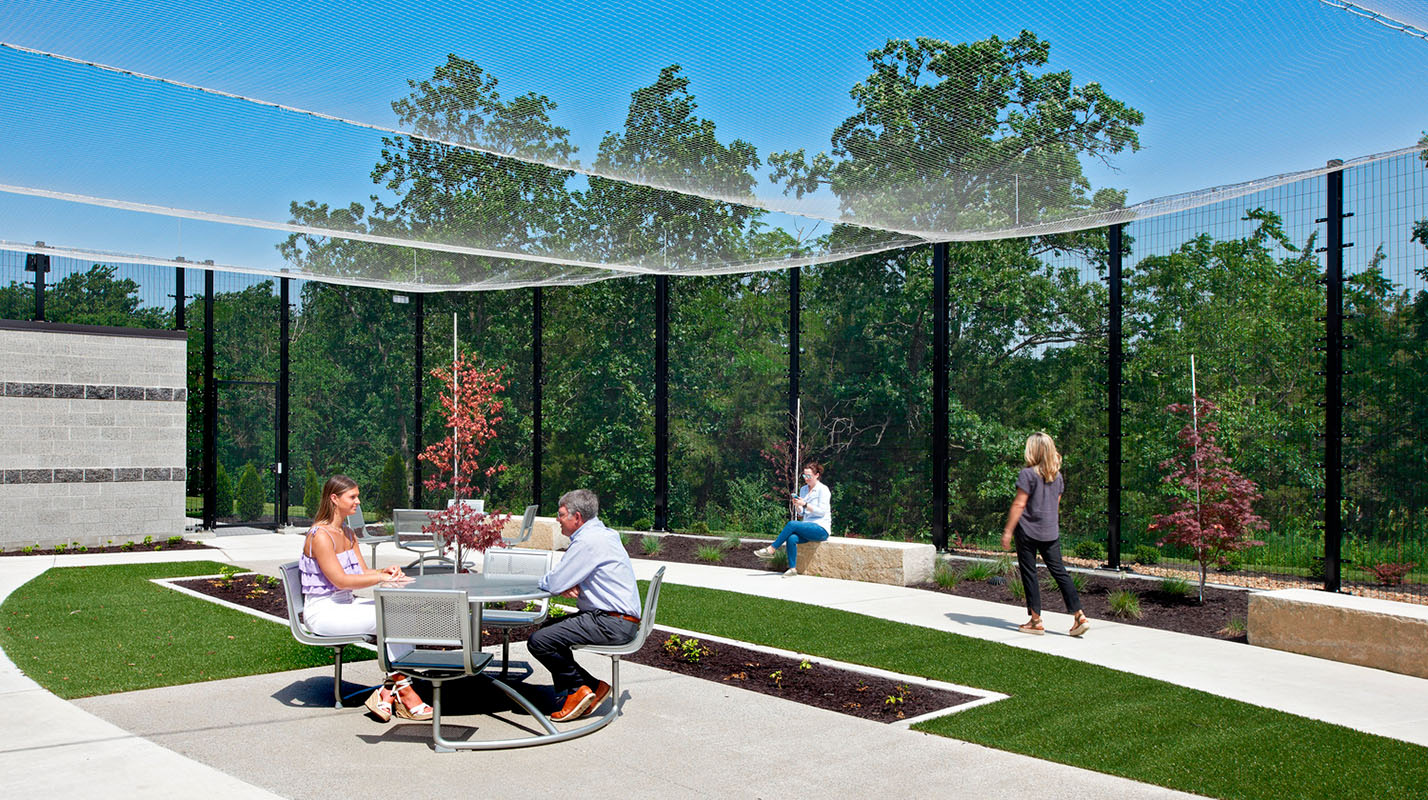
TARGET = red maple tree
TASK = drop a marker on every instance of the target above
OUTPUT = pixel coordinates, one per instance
(472, 407)
(1212, 505)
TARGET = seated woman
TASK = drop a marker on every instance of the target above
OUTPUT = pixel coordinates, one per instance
(331, 567)
(814, 504)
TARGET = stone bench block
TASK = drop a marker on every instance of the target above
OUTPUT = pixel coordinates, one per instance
(1355, 630)
(871, 560)
(545, 533)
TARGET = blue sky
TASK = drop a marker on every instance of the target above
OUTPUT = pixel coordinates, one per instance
(1229, 95)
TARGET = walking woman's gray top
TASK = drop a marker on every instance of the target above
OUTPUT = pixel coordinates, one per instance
(1039, 521)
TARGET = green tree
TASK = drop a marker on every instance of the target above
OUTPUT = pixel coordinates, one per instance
(311, 493)
(250, 493)
(392, 485)
(223, 493)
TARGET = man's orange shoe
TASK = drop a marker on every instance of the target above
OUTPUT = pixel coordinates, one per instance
(576, 704)
(602, 691)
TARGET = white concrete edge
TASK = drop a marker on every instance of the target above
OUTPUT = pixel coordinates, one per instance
(983, 696)
(172, 583)
(1101, 573)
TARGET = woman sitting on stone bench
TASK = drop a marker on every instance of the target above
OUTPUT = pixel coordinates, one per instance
(814, 504)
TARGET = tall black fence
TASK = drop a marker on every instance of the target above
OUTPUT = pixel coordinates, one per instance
(1303, 308)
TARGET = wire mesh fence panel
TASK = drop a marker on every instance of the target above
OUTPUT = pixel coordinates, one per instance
(867, 391)
(494, 331)
(599, 397)
(350, 406)
(1385, 507)
(1221, 304)
(730, 461)
(17, 292)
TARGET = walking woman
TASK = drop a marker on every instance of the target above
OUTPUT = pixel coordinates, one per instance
(1033, 524)
(332, 566)
(814, 504)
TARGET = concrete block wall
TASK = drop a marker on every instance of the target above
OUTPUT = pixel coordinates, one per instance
(92, 445)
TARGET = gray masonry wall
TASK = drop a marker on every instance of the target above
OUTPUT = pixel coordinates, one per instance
(91, 434)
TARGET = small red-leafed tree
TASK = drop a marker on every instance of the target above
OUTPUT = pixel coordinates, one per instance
(1211, 505)
(470, 401)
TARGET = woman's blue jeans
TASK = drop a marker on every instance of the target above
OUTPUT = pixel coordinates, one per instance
(795, 532)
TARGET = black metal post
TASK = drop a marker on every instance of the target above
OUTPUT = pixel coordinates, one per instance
(1333, 377)
(939, 395)
(419, 338)
(280, 511)
(38, 263)
(795, 327)
(1114, 354)
(210, 410)
(537, 384)
(661, 510)
(180, 300)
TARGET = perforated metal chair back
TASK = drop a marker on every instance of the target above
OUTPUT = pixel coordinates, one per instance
(647, 619)
(426, 618)
(517, 561)
(527, 525)
(407, 525)
(358, 524)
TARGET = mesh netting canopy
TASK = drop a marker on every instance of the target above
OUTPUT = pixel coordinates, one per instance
(485, 146)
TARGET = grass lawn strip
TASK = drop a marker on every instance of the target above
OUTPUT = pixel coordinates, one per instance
(82, 631)
(89, 630)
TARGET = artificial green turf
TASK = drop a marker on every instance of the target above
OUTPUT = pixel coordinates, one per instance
(90, 630)
(81, 631)
(1081, 714)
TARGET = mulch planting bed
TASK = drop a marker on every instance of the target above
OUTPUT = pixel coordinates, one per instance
(816, 684)
(1159, 609)
(131, 547)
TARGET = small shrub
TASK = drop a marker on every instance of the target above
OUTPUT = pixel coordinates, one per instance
(1146, 554)
(175, 540)
(311, 492)
(1004, 566)
(127, 546)
(266, 580)
(731, 541)
(392, 485)
(710, 552)
(642, 524)
(1176, 587)
(1081, 581)
(687, 650)
(28, 549)
(780, 560)
(81, 548)
(225, 576)
(60, 548)
(250, 493)
(977, 571)
(651, 545)
(223, 491)
(1316, 568)
(148, 540)
(699, 528)
(1124, 604)
(946, 576)
(626, 538)
(1230, 561)
(1391, 573)
(1235, 627)
(1089, 549)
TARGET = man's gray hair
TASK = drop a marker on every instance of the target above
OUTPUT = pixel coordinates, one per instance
(582, 502)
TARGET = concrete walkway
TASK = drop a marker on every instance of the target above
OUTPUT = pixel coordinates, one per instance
(214, 738)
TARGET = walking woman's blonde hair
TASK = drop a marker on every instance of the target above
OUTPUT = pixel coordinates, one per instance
(1041, 454)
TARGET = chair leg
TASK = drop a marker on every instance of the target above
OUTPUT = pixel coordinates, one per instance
(505, 652)
(337, 677)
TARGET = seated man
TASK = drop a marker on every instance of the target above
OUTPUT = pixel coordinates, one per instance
(595, 571)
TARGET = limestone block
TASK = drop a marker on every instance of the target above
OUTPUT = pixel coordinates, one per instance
(872, 560)
(545, 533)
(1355, 630)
